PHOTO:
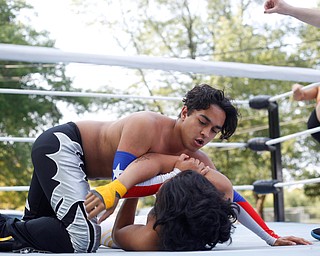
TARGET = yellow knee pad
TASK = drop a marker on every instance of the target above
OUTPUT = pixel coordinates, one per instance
(109, 192)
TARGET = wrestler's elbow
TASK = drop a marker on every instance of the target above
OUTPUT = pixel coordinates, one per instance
(223, 184)
(227, 189)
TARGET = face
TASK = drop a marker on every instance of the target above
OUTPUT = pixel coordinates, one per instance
(201, 126)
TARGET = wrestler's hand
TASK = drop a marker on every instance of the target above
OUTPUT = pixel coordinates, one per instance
(94, 206)
(298, 94)
(291, 240)
(108, 212)
(104, 197)
(276, 6)
(206, 170)
(189, 163)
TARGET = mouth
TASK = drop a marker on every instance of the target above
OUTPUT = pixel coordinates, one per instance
(199, 142)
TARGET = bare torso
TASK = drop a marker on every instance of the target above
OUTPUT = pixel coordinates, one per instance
(139, 133)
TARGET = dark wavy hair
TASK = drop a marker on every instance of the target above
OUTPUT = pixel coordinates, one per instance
(203, 96)
(192, 214)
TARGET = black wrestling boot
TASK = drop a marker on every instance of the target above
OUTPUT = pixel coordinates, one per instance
(6, 241)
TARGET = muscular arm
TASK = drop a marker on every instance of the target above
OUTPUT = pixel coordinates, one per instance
(130, 236)
(104, 197)
(146, 167)
(310, 16)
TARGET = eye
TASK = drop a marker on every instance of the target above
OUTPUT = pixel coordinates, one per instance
(215, 130)
(201, 122)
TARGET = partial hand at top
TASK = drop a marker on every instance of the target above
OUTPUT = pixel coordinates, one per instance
(276, 6)
(298, 94)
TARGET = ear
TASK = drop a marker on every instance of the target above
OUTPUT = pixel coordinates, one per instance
(184, 112)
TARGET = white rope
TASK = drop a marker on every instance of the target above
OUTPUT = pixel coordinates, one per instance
(227, 145)
(236, 187)
(228, 69)
(280, 184)
(96, 95)
(213, 144)
(288, 94)
(243, 187)
(85, 94)
(299, 182)
(291, 136)
(15, 188)
(17, 139)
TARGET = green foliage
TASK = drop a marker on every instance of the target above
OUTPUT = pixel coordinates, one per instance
(209, 30)
(27, 115)
(223, 31)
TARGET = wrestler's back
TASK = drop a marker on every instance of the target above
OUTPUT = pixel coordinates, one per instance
(100, 140)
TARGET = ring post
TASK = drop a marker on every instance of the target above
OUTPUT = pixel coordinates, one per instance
(276, 166)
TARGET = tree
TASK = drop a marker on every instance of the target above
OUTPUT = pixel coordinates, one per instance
(218, 31)
(27, 115)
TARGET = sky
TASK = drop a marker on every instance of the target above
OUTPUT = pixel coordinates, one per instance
(72, 34)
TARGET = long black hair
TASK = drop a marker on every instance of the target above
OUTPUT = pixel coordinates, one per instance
(192, 214)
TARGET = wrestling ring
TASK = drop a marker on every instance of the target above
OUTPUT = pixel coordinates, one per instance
(244, 242)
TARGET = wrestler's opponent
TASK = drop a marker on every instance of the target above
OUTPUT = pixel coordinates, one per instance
(310, 16)
(310, 94)
(64, 157)
(198, 220)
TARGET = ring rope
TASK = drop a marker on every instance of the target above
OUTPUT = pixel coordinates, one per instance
(291, 136)
(15, 188)
(17, 139)
(288, 94)
(96, 95)
(37, 54)
(212, 144)
(236, 187)
(299, 182)
(280, 184)
(227, 145)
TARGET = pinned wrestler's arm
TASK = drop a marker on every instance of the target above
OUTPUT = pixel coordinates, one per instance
(130, 236)
(139, 170)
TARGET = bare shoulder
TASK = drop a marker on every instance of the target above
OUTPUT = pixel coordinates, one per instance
(139, 132)
(148, 117)
(147, 120)
(137, 238)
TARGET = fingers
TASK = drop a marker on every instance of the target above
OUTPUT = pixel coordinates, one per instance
(298, 240)
(183, 157)
(105, 215)
(268, 6)
(297, 92)
(93, 205)
(291, 240)
(205, 170)
(296, 87)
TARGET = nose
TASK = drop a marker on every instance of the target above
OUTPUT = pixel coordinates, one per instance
(205, 132)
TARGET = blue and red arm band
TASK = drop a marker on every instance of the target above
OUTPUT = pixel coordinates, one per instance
(122, 159)
(251, 219)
